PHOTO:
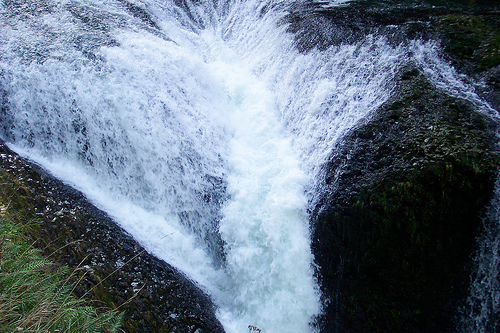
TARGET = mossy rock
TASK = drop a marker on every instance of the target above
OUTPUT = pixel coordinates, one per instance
(402, 206)
(471, 41)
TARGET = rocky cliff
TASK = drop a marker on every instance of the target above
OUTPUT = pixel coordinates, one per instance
(402, 206)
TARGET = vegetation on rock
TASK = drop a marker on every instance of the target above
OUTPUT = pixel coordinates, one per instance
(471, 41)
(35, 294)
(112, 270)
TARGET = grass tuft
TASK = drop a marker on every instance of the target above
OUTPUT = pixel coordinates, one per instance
(36, 294)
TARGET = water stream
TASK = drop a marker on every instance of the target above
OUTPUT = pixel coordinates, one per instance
(199, 127)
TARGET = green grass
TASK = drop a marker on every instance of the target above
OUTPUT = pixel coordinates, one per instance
(36, 294)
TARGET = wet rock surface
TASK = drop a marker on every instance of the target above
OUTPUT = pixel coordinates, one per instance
(404, 195)
(316, 26)
(113, 269)
(472, 44)
(467, 31)
(402, 205)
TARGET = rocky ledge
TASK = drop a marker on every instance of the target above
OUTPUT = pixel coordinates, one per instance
(402, 205)
(404, 195)
(113, 269)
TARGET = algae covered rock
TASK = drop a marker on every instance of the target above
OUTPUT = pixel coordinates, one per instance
(402, 206)
(471, 42)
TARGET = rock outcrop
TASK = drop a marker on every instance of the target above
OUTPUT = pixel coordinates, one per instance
(401, 208)
(113, 269)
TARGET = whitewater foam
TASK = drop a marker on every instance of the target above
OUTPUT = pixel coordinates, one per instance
(202, 138)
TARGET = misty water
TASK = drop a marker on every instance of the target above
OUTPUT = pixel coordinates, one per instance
(200, 129)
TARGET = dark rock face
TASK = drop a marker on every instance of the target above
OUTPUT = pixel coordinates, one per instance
(401, 208)
(114, 270)
(316, 27)
(472, 44)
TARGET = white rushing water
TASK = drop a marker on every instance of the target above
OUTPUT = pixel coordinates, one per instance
(200, 134)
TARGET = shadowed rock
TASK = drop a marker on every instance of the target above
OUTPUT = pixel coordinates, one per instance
(402, 206)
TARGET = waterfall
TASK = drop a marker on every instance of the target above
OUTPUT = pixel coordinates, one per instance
(199, 127)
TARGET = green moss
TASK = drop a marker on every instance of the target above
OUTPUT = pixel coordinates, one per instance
(393, 249)
(405, 238)
(475, 39)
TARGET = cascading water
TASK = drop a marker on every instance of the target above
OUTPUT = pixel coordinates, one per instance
(198, 127)
(483, 303)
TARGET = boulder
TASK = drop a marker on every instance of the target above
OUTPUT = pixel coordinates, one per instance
(401, 206)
